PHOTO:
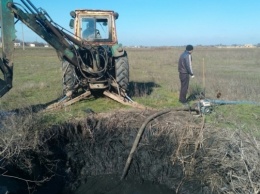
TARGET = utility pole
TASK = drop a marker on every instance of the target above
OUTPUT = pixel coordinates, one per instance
(22, 35)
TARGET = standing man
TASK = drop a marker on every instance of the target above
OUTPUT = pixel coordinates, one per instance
(185, 71)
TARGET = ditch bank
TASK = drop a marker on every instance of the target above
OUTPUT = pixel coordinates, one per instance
(177, 153)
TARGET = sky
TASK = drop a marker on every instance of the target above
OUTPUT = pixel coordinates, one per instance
(166, 22)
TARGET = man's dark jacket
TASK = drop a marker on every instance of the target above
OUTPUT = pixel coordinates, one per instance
(184, 65)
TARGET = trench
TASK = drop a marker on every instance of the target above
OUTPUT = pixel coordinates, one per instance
(89, 156)
(106, 158)
(92, 156)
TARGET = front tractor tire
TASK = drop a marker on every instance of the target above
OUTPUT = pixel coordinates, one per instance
(122, 72)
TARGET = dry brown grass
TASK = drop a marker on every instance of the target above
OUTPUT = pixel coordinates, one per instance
(176, 149)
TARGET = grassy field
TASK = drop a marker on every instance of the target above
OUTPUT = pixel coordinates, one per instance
(221, 152)
(234, 72)
(154, 80)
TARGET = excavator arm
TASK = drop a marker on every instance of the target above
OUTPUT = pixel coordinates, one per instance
(38, 21)
(8, 36)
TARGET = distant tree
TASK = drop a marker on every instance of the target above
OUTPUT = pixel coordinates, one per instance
(18, 41)
(40, 44)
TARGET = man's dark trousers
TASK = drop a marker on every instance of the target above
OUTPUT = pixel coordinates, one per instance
(184, 78)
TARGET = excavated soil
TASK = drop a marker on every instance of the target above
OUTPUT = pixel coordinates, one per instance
(177, 153)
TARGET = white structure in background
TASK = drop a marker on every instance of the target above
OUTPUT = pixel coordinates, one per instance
(249, 46)
(17, 44)
(32, 45)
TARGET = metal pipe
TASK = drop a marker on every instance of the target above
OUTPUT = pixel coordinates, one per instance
(28, 1)
(28, 7)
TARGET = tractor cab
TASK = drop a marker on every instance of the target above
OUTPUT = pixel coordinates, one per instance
(95, 26)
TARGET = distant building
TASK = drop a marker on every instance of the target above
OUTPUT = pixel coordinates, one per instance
(17, 44)
(31, 45)
(249, 46)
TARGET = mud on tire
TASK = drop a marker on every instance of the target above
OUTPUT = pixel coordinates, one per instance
(122, 71)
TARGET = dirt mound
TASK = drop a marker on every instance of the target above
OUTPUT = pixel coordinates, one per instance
(177, 152)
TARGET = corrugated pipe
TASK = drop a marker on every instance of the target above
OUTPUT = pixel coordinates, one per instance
(226, 102)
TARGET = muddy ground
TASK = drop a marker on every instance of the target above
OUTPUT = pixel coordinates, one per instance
(177, 153)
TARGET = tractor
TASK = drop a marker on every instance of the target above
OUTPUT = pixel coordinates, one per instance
(93, 62)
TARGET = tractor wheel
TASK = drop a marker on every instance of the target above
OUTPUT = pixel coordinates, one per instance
(69, 78)
(122, 72)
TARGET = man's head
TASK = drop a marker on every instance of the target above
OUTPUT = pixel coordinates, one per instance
(189, 48)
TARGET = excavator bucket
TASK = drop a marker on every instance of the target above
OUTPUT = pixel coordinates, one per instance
(8, 37)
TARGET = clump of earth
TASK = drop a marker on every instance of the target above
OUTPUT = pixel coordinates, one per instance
(177, 153)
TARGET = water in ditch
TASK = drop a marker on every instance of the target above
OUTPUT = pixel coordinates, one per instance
(111, 184)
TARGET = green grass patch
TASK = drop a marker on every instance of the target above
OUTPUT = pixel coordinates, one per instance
(155, 79)
(240, 116)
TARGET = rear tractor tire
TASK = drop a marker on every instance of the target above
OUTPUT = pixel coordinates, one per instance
(122, 72)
